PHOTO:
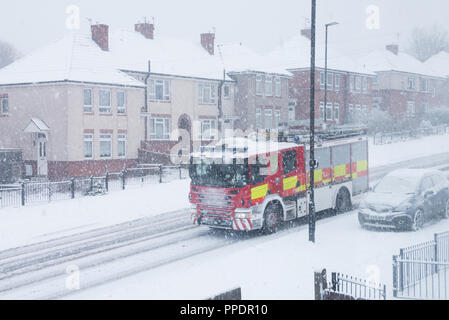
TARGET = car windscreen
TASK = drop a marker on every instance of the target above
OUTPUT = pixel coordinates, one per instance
(395, 184)
(219, 175)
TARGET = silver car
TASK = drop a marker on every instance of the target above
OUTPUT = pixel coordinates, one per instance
(405, 199)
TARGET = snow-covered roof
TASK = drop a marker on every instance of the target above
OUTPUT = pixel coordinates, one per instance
(75, 57)
(439, 62)
(36, 125)
(131, 51)
(295, 54)
(237, 58)
(385, 60)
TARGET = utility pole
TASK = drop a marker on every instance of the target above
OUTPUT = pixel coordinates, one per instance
(312, 163)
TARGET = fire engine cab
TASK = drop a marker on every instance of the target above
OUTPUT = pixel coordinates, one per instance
(245, 184)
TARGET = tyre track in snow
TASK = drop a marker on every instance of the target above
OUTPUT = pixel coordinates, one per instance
(25, 269)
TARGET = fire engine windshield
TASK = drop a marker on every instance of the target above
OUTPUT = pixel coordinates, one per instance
(219, 175)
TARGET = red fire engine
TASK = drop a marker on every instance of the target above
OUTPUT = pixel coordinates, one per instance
(244, 185)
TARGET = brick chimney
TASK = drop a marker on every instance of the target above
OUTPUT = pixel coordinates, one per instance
(393, 48)
(146, 29)
(100, 34)
(307, 33)
(208, 42)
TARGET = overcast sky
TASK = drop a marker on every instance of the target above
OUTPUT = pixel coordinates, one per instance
(260, 24)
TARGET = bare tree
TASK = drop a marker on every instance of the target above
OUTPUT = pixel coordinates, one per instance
(426, 42)
(8, 54)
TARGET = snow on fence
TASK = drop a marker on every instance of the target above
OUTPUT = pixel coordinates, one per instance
(40, 192)
(398, 136)
(346, 287)
(422, 271)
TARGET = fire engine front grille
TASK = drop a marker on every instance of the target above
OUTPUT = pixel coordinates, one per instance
(215, 200)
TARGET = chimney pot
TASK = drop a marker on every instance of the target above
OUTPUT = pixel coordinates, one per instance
(146, 29)
(393, 48)
(100, 34)
(208, 42)
(307, 33)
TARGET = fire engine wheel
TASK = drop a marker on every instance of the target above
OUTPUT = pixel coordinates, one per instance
(343, 201)
(272, 218)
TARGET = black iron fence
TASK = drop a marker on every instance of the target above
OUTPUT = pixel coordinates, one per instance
(422, 271)
(397, 136)
(40, 192)
(345, 287)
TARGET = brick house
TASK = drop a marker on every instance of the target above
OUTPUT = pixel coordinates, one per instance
(69, 111)
(404, 86)
(87, 104)
(440, 62)
(349, 85)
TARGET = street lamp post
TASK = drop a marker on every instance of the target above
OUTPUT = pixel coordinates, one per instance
(325, 72)
(312, 162)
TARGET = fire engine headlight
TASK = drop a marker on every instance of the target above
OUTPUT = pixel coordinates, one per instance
(243, 214)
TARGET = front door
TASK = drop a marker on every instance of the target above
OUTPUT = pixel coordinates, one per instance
(42, 167)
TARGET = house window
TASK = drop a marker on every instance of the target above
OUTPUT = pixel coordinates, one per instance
(434, 92)
(259, 85)
(329, 111)
(425, 107)
(121, 102)
(336, 112)
(206, 93)
(277, 118)
(88, 146)
(351, 108)
(268, 86)
(330, 81)
(411, 83)
(322, 80)
(160, 90)
(160, 128)
(207, 129)
(258, 118)
(88, 105)
(411, 108)
(105, 101)
(4, 106)
(105, 145)
(268, 118)
(364, 109)
(278, 87)
(358, 84)
(227, 91)
(365, 84)
(321, 110)
(337, 82)
(351, 83)
(121, 145)
(424, 85)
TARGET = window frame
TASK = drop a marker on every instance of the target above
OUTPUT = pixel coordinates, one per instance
(166, 90)
(121, 109)
(166, 124)
(122, 138)
(278, 87)
(202, 90)
(88, 138)
(267, 112)
(411, 83)
(228, 87)
(337, 82)
(104, 109)
(329, 107)
(105, 137)
(2, 106)
(337, 112)
(413, 105)
(268, 84)
(259, 90)
(258, 118)
(86, 107)
(330, 81)
(277, 118)
(212, 127)
(358, 83)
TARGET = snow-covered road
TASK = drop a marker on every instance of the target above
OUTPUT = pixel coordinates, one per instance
(188, 262)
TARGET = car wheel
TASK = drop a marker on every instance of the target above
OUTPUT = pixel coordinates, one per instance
(445, 214)
(272, 218)
(343, 201)
(418, 220)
